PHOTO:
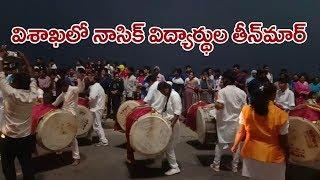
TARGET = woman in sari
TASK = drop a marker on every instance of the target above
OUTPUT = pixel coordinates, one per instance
(191, 90)
(301, 90)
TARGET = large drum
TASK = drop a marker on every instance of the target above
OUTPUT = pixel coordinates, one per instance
(85, 120)
(206, 125)
(192, 114)
(147, 132)
(304, 140)
(56, 130)
(124, 110)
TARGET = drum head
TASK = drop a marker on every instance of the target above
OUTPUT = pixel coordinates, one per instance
(124, 110)
(205, 124)
(150, 134)
(57, 130)
(85, 120)
(304, 140)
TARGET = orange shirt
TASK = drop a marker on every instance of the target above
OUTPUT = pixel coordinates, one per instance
(262, 134)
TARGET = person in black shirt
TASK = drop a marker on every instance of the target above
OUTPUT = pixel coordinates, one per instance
(116, 90)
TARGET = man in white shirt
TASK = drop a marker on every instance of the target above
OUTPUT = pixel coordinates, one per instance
(171, 109)
(229, 104)
(284, 97)
(97, 98)
(69, 97)
(154, 98)
(130, 84)
(16, 139)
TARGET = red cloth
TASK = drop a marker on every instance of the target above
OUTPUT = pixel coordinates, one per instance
(133, 117)
(38, 111)
(306, 112)
(192, 115)
(84, 102)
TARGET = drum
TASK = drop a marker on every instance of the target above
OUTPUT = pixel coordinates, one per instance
(206, 125)
(125, 109)
(147, 132)
(85, 120)
(56, 130)
(192, 115)
(304, 140)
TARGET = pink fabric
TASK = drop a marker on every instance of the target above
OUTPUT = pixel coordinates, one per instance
(302, 91)
(306, 112)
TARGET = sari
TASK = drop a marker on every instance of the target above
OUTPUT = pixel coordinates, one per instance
(301, 91)
(191, 92)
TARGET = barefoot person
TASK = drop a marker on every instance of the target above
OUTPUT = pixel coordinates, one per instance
(16, 139)
(229, 103)
(69, 97)
(264, 127)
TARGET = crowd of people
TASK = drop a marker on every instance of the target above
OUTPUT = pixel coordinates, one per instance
(262, 124)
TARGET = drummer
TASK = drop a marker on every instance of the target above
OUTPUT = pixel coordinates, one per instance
(97, 99)
(229, 103)
(69, 97)
(17, 140)
(171, 108)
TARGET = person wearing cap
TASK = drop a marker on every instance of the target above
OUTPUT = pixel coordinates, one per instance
(160, 77)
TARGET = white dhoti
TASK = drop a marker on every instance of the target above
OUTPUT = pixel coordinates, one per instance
(97, 126)
(170, 153)
(222, 148)
(75, 149)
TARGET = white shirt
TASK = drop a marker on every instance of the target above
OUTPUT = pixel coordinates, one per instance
(40, 93)
(78, 67)
(54, 66)
(97, 97)
(18, 105)
(217, 84)
(227, 118)
(177, 80)
(174, 106)
(154, 97)
(70, 98)
(1, 108)
(270, 77)
(285, 99)
(130, 85)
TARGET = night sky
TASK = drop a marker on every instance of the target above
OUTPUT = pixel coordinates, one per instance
(169, 13)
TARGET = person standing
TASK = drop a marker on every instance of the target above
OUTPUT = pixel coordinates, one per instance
(16, 139)
(264, 129)
(160, 77)
(130, 84)
(116, 90)
(97, 99)
(69, 97)
(284, 96)
(229, 103)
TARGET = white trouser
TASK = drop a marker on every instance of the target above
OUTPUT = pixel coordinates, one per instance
(75, 149)
(222, 148)
(97, 126)
(170, 154)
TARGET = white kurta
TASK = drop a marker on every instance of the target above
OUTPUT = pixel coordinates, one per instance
(285, 99)
(227, 118)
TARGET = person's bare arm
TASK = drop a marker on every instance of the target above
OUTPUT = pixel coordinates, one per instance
(241, 134)
(174, 120)
(284, 145)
